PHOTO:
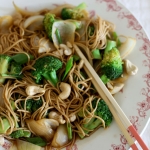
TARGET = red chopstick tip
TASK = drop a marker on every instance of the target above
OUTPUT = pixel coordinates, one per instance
(134, 147)
(137, 137)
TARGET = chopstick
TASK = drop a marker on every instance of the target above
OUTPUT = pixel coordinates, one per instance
(112, 104)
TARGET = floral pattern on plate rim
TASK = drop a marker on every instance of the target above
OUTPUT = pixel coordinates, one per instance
(144, 105)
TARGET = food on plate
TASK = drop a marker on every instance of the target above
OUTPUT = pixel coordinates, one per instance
(47, 99)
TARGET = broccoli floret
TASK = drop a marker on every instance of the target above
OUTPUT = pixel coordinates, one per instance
(73, 13)
(4, 126)
(46, 67)
(4, 65)
(36, 104)
(15, 68)
(20, 133)
(103, 112)
(11, 66)
(48, 21)
(15, 71)
(32, 105)
(111, 64)
(29, 104)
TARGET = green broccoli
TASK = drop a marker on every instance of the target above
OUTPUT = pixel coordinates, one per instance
(36, 104)
(111, 64)
(29, 104)
(101, 111)
(11, 66)
(48, 21)
(20, 133)
(32, 105)
(73, 13)
(46, 67)
(15, 71)
(4, 65)
(4, 125)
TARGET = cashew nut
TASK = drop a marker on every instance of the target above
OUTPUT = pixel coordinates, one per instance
(32, 90)
(67, 50)
(66, 90)
(117, 87)
(58, 117)
(45, 46)
(131, 69)
(72, 118)
(109, 85)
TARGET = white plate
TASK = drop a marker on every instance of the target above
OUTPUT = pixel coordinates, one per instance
(134, 98)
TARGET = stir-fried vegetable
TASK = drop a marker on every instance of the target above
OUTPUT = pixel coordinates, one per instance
(4, 126)
(20, 133)
(4, 61)
(46, 67)
(111, 64)
(48, 21)
(68, 67)
(32, 105)
(101, 111)
(37, 141)
(11, 66)
(74, 13)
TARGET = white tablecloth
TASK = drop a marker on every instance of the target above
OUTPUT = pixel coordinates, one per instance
(141, 10)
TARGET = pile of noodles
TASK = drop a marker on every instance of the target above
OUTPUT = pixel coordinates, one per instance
(20, 40)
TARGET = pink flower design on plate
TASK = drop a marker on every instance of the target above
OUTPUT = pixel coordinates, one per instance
(132, 22)
(146, 44)
(111, 5)
(143, 105)
(6, 145)
(118, 147)
(123, 139)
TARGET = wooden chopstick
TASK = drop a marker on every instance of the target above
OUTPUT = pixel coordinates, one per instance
(109, 99)
(117, 119)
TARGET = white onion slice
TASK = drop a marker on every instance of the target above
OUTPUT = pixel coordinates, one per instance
(126, 47)
(33, 19)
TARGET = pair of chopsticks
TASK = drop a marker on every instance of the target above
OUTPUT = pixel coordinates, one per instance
(118, 114)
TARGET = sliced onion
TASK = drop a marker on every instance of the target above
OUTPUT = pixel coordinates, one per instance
(82, 30)
(61, 136)
(43, 127)
(5, 23)
(45, 45)
(66, 30)
(24, 12)
(126, 47)
(33, 19)
(23, 145)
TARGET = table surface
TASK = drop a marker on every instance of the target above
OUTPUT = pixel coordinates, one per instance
(141, 10)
